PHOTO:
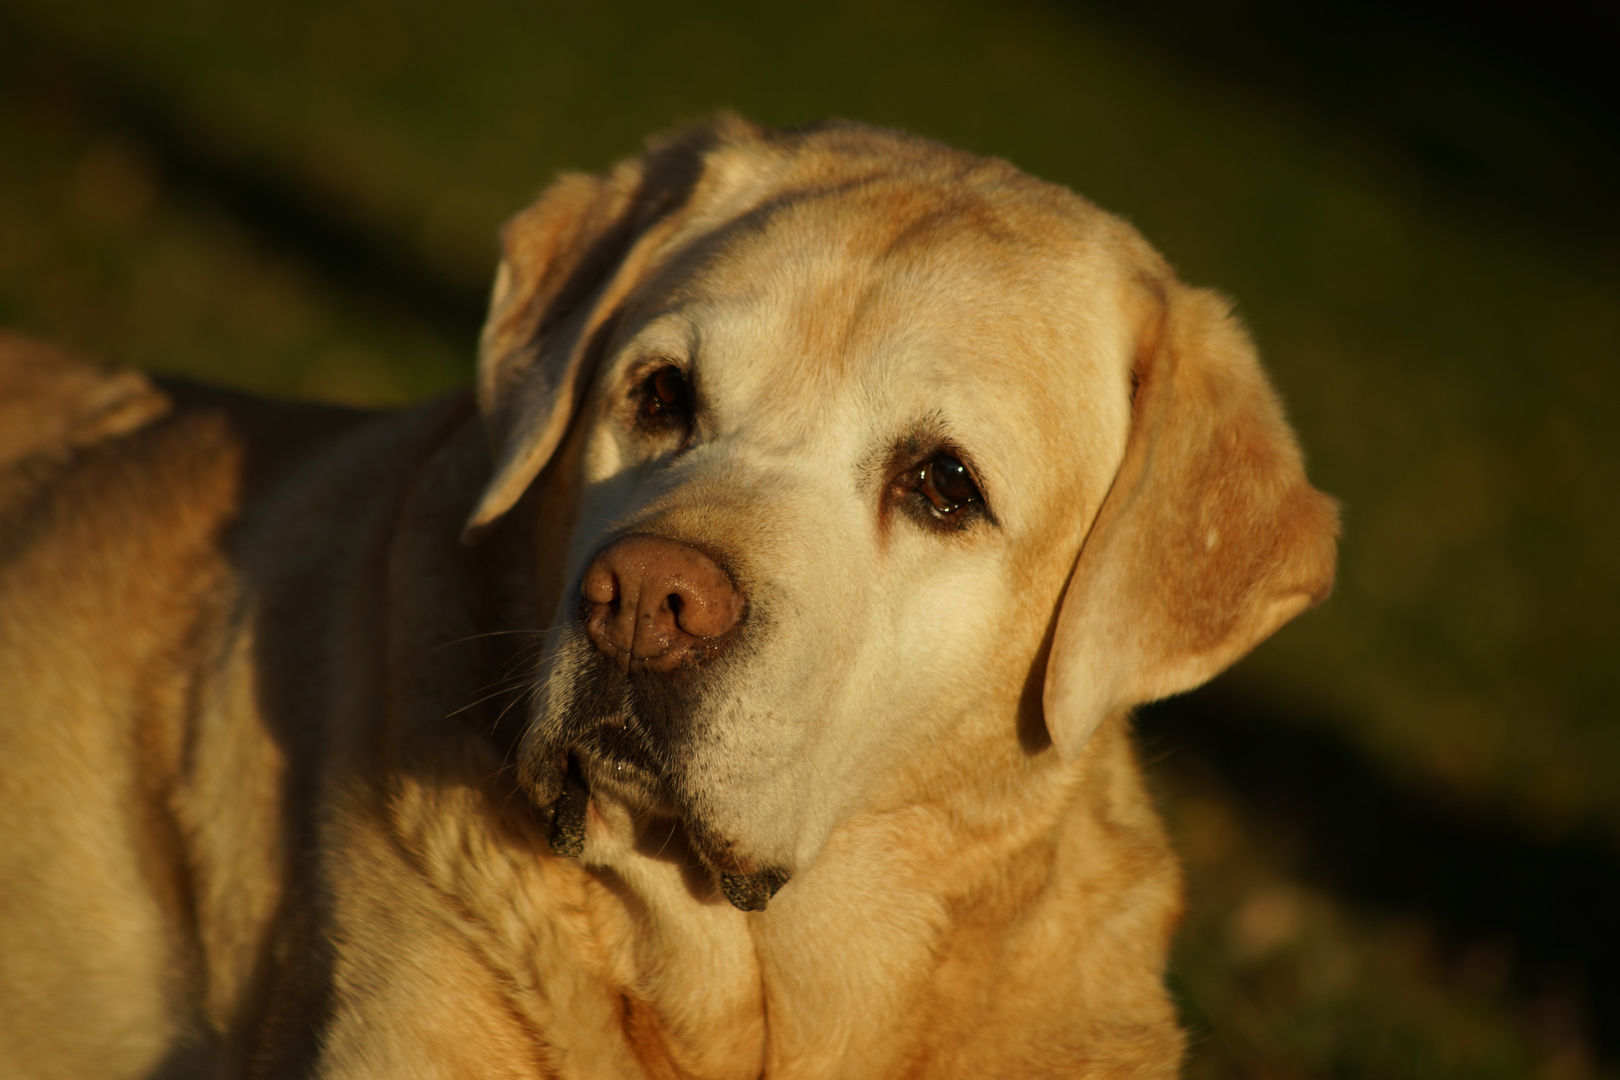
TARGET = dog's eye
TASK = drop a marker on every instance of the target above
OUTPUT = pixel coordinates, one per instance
(664, 399)
(948, 485)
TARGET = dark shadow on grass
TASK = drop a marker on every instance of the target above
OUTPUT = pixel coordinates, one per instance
(1475, 874)
(279, 211)
(1515, 109)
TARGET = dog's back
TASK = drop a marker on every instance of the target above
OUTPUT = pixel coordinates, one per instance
(146, 825)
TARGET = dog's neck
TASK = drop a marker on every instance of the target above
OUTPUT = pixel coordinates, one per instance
(1039, 912)
(888, 954)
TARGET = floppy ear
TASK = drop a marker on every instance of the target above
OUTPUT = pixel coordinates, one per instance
(566, 262)
(1209, 539)
(53, 401)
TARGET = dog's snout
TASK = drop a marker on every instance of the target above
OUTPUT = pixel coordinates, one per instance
(656, 602)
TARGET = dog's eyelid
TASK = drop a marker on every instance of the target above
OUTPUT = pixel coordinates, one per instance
(662, 395)
(640, 371)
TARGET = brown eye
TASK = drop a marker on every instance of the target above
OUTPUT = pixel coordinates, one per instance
(666, 396)
(948, 484)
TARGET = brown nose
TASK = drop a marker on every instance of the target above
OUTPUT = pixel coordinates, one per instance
(656, 602)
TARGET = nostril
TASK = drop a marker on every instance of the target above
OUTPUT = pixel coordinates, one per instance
(708, 610)
(675, 604)
(601, 585)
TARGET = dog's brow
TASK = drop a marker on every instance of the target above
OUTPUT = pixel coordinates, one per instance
(879, 461)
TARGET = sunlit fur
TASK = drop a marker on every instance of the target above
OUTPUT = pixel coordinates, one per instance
(290, 692)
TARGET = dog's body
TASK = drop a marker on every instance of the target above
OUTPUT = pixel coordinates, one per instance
(797, 438)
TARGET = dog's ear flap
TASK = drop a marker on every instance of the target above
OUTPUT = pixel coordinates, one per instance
(566, 262)
(1209, 539)
(555, 256)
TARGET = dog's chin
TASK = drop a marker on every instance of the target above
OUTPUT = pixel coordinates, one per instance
(620, 778)
(610, 734)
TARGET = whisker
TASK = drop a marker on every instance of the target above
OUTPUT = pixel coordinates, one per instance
(484, 634)
(479, 701)
(508, 708)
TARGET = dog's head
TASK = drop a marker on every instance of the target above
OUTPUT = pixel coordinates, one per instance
(863, 438)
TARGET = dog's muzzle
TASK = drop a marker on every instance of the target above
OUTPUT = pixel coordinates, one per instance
(655, 609)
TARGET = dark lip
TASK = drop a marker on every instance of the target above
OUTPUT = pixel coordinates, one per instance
(624, 776)
(715, 867)
(577, 775)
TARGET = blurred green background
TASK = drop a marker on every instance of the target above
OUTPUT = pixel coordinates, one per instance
(1401, 816)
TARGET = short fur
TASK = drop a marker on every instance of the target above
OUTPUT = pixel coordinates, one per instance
(291, 693)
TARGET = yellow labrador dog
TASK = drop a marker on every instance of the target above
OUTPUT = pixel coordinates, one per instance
(739, 688)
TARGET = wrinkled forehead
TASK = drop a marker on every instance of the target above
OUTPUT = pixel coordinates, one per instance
(873, 305)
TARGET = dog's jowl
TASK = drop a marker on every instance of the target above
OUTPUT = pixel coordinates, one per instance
(736, 684)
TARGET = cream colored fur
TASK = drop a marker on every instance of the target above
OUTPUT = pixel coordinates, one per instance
(287, 691)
